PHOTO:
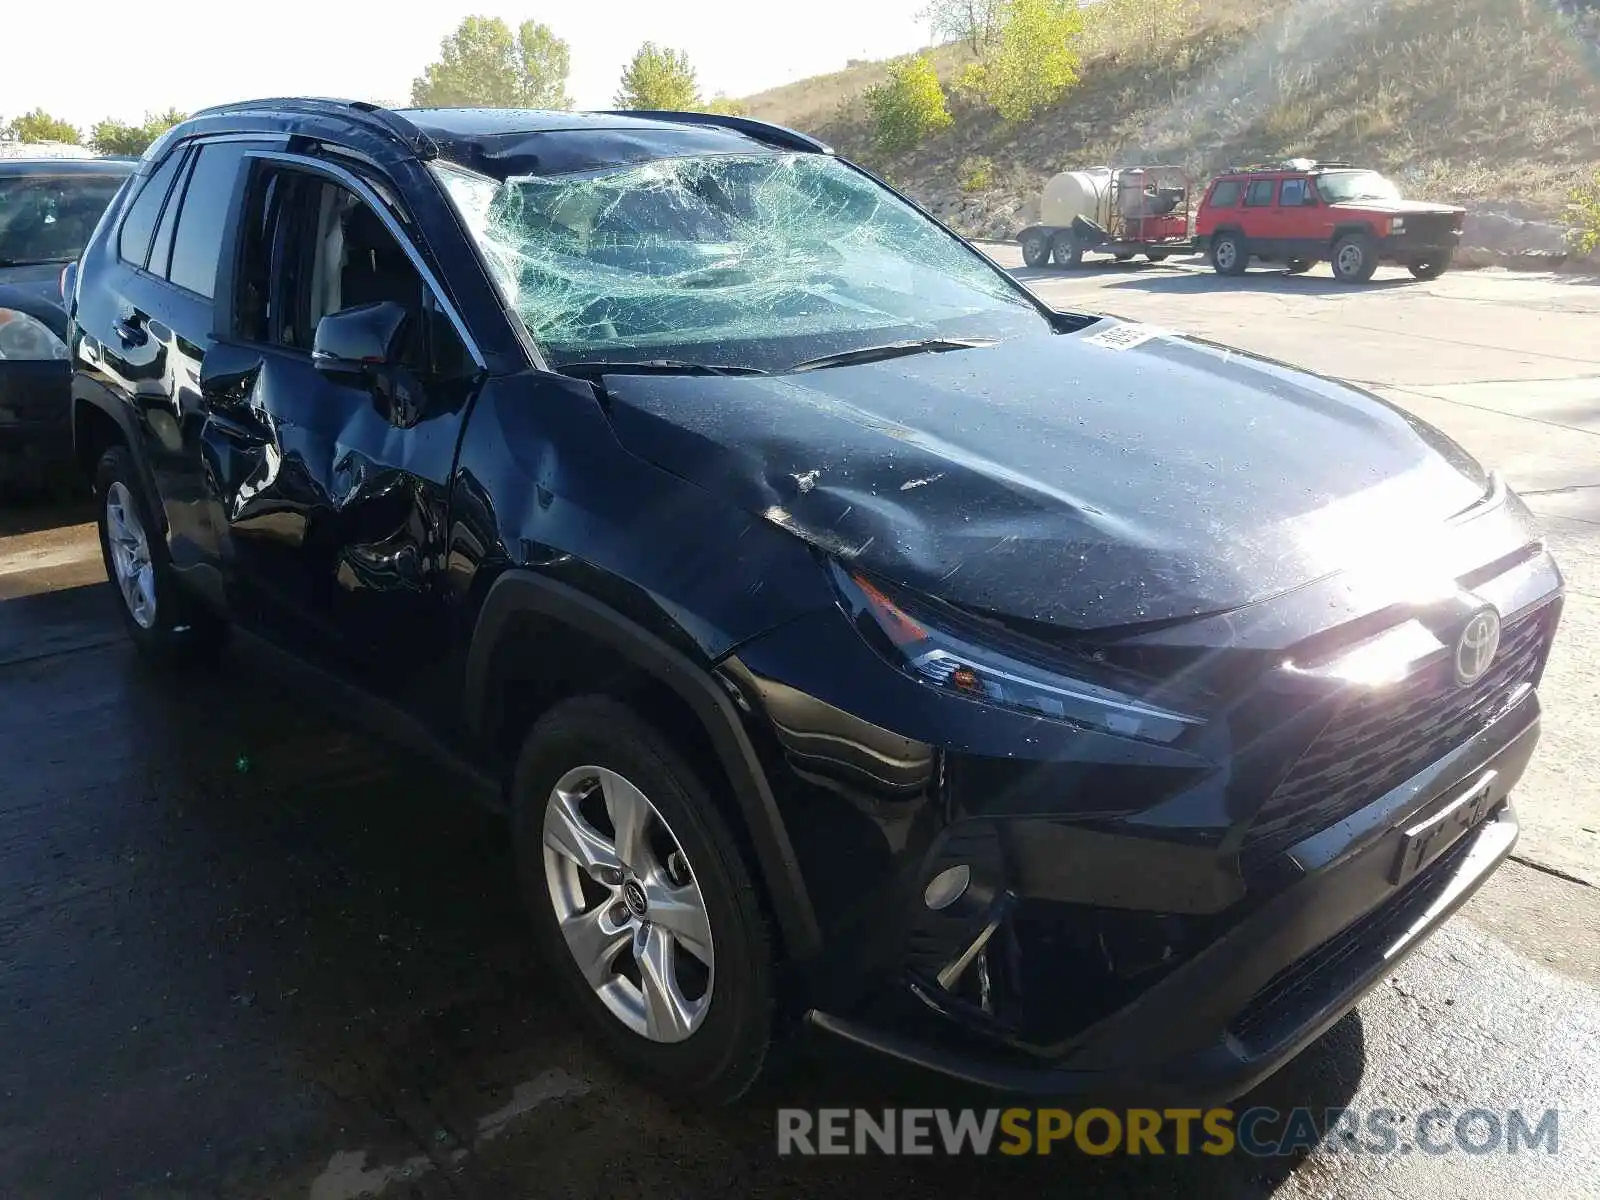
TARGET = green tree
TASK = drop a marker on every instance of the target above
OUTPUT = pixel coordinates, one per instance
(975, 22)
(114, 137)
(1583, 210)
(658, 78)
(484, 64)
(40, 126)
(1034, 60)
(725, 105)
(908, 106)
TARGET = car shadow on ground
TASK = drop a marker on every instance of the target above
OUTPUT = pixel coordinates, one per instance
(1095, 267)
(36, 513)
(1260, 279)
(264, 940)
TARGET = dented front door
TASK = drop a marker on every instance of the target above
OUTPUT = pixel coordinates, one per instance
(331, 513)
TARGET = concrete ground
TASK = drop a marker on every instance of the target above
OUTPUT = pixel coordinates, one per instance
(245, 951)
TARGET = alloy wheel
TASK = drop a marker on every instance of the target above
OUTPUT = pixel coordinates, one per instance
(1349, 259)
(1227, 254)
(628, 905)
(134, 572)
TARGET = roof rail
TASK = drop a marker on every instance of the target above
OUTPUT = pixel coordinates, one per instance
(762, 131)
(372, 116)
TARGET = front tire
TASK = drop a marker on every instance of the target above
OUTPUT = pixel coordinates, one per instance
(166, 625)
(641, 901)
(1229, 255)
(1355, 258)
(1430, 268)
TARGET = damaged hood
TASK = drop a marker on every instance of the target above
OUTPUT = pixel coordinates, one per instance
(1108, 477)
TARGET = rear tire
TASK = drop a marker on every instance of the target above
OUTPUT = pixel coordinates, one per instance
(1036, 248)
(1067, 250)
(1229, 254)
(1355, 258)
(1299, 266)
(166, 624)
(705, 1036)
(1430, 268)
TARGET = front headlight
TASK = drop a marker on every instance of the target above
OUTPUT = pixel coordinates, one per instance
(27, 338)
(955, 655)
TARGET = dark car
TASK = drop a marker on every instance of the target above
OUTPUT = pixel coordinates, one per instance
(1056, 702)
(1301, 212)
(48, 209)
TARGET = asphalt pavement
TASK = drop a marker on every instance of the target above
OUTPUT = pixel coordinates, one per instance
(247, 951)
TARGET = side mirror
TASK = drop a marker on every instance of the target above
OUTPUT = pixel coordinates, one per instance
(355, 340)
(1308, 200)
(362, 345)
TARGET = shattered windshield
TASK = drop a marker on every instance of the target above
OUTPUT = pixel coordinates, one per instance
(756, 261)
(1337, 187)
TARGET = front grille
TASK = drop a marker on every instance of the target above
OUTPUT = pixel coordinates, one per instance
(1346, 957)
(1429, 229)
(1378, 739)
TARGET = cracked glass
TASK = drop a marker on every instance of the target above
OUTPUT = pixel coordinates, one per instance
(751, 261)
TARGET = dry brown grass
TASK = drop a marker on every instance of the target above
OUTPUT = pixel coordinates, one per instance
(1460, 99)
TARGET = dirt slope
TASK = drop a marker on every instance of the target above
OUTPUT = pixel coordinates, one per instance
(1492, 102)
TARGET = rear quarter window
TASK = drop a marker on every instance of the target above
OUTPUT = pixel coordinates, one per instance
(1225, 194)
(133, 242)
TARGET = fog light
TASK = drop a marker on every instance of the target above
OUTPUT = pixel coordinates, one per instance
(948, 886)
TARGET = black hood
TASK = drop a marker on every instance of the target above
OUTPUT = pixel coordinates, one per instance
(1084, 480)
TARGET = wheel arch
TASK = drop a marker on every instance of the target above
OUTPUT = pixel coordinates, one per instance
(99, 422)
(1346, 228)
(520, 596)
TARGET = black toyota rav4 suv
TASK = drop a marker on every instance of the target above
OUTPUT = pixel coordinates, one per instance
(1059, 703)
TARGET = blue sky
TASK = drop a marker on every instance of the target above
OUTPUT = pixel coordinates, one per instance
(92, 59)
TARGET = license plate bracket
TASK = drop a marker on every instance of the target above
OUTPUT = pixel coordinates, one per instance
(1425, 841)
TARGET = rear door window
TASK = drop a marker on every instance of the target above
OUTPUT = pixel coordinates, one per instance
(133, 243)
(197, 239)
(1259, 193)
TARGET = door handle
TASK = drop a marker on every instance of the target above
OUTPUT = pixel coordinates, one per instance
(130, 330)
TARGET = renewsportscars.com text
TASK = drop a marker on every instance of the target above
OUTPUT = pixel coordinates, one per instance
(1259, 1132)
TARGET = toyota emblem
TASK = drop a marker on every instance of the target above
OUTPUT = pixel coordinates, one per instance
(1475, 648)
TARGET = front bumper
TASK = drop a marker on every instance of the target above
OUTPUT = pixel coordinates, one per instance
(1256, 996)
(35, 420)
(1419, 244)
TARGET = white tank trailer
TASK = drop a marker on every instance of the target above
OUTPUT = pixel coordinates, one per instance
(1120, 211)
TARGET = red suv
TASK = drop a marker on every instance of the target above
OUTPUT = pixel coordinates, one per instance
(1302, 212)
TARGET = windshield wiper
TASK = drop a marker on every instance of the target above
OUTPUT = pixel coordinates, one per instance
(31, 262)
(653, 366)
(864, 354)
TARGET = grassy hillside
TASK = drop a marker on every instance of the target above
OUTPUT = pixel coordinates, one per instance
(1479, 100)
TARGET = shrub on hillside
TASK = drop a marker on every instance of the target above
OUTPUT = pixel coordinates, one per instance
(1583, 210)
(1152, 27)
(1034, 60)
(908, 106)
(977, 174)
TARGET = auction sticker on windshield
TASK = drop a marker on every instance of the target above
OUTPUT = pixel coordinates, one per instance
(1125, 336)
